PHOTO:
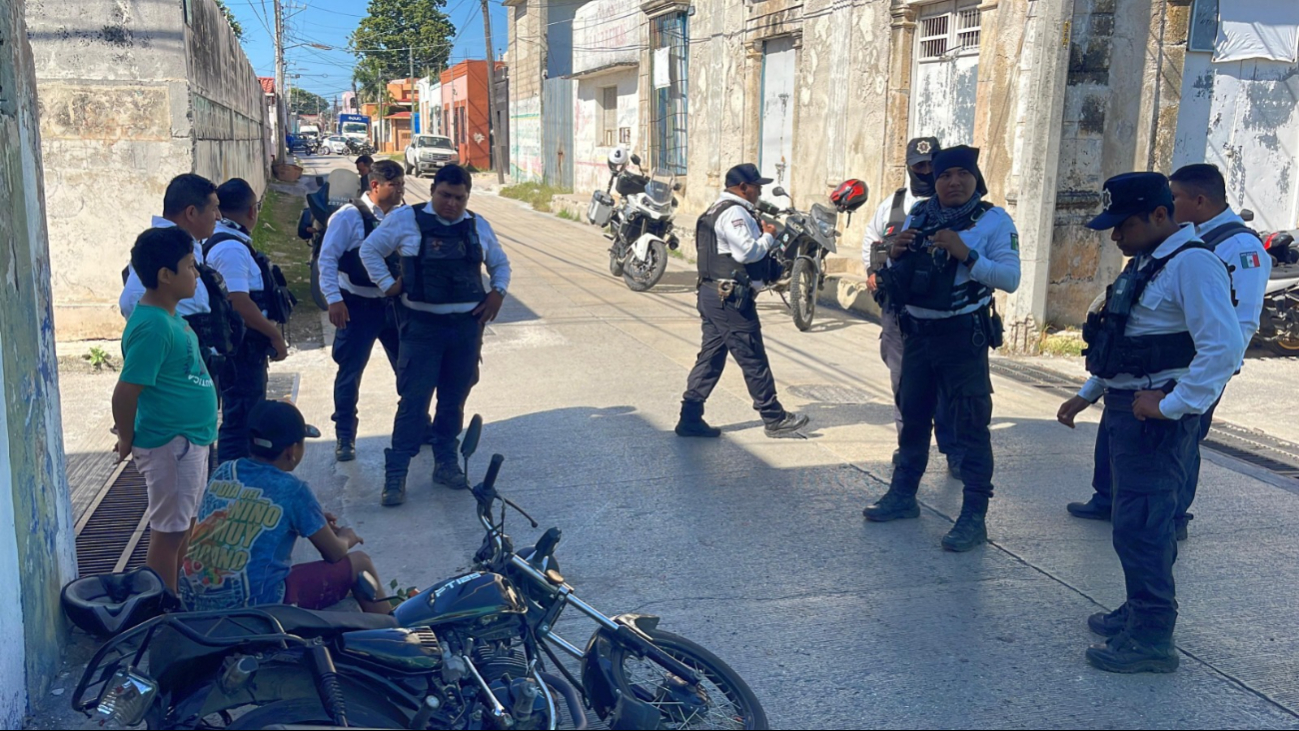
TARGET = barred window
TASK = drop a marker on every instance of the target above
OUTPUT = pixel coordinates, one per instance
(947, 29)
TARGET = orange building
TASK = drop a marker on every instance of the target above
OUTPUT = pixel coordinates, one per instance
(465, 111)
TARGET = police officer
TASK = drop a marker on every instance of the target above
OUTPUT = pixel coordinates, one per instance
(191, 204)
(364, 164)
(1199, 198)
(1160, 350)
(732, 251)
(443, 248)
(943, 267)
(358, 309)
(880, 234)
(253, 291)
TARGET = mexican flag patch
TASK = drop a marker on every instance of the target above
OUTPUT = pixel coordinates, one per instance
(1249, 260)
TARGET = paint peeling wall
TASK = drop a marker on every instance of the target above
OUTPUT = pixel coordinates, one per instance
(590, 168)
(524, 57)
(131, 95)
(36, 536)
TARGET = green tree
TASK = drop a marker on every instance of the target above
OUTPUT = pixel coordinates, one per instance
(304, 102)
(392, 26)
(232, 20)
(371, 81)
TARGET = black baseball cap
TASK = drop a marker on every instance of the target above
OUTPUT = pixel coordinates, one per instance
(961, 156)
(274, 426)
(922, 149)
(746, 173)
(1130, 194)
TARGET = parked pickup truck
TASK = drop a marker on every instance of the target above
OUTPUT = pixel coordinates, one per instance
(427, 153)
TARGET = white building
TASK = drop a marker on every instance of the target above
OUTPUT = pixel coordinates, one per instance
(606, 105)
(428, 91)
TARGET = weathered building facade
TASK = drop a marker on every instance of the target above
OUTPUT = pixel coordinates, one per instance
(131, 94)
(606, 65)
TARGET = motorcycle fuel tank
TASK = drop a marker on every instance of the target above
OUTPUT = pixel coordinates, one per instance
(467, 597)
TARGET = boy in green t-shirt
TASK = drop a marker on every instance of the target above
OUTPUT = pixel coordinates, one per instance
(165, 405)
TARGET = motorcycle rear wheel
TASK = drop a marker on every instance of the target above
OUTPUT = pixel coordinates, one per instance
(641, 276)
(802, 293)
(309, 712)
(730, 702)
(1284, 346)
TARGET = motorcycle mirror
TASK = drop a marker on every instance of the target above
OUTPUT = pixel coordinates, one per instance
(779, 192)
(635, 159)
(470, 444)
(676, 186)
(1246, 215)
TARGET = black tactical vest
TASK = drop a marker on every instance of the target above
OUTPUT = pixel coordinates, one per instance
(927, 277)
(449, 266)
(1110, 352)
(714, 265)
(350, 262)
(274, 298)
(879, 253)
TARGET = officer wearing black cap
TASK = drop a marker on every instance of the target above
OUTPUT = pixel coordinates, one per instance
(733, 264)
(954, 251)
(1160, 350)
(880, 233)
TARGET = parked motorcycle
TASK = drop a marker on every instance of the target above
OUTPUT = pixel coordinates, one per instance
(470, 652)
(803, 240)
(357, 148)
(1279, 325)
(640, 228)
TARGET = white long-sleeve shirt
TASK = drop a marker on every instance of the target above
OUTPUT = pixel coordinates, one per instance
(1250, 266)
(346, 231)
(876, 229)
(400, 233)
(134, 289)
(995, 238)
(739, 234)
(1193, 294)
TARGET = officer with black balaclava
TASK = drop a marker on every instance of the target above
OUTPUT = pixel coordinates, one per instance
(1160, 350)
(880, 234)
(954, 251)
(443, 248)
(733, 266)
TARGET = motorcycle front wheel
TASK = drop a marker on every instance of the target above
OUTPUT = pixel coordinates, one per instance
(727, 701)
(1284, 346)
(642, 275)
(802, 293)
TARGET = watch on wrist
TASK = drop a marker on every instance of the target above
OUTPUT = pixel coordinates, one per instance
(499, 290)
(971, 258)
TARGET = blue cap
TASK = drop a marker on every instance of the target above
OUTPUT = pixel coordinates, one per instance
(1129, 194)
(746, 173)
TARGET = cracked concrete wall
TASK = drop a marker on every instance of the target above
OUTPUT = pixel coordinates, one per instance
(131, 94)
(36, 534)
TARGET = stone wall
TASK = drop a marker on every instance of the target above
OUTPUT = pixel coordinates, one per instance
(36, 536)
(132, 94)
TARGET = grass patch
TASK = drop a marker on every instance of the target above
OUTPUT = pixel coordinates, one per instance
(538, 195)
(567, 215)
(676, 254)
(276, 236)
(1062, 343)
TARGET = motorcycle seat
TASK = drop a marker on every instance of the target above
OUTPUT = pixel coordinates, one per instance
(310, 623)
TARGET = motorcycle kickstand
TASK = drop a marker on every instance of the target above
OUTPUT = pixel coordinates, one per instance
(786, 301)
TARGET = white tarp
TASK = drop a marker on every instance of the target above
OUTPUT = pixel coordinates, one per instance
(662, 67)
(1257, 29)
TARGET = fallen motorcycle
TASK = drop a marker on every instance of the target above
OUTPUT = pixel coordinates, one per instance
(1279, 322)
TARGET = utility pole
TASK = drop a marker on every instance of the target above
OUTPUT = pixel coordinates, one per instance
(282, 109)
(494, 146)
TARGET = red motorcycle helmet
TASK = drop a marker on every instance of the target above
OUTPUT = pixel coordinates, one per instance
(850, 195)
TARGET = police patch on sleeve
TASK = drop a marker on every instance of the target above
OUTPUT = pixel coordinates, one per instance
(1014, 242)
(739, 223)
(1249, 260)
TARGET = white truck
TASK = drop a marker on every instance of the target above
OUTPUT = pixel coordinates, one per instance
(428, 153)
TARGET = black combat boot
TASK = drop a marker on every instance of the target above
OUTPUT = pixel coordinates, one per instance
(1109, 624)
(786, 427)
(345, 450)
(394, 483)
(692, 424)
(969, 530)
(895, 505)
(448, 474)
(1091, 510)
(1141, 650)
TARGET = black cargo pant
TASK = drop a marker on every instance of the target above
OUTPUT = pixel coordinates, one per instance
(1102, 480)
(891, 353)
(243, 386)
(1149, 461)
(438, 353)
(945, 359)
(734, 330)
(369, 319)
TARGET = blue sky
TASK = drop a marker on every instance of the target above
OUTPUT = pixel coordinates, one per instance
(329, 22)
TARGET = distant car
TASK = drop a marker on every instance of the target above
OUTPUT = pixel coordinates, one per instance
(335, 144)
(427, 153)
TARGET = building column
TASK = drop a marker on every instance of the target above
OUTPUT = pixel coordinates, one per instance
(898, 101)
(36, 535)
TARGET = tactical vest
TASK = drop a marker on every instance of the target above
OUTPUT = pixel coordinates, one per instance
(714, 265)
(897, 216)
(274, 298)
(1110, 352)
(927, 277)
(1219, 234)
(221, 328)
(449, 266)
(350, 262)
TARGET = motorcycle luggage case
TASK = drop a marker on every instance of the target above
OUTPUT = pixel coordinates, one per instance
(601, 209)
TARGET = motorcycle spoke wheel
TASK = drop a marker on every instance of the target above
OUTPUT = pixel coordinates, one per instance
(643, 275)
(724, 701)
(802, 293)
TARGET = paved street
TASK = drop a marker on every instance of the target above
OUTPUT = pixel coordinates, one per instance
(756, 547)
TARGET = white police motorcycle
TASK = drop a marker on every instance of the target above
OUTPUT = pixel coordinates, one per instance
(641, 227)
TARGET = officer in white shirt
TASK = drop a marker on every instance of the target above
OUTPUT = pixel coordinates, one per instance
(1200, 198)
(191, 204)
(880, 233)
(955, 250)
(245, 373)
(443, 248)
(1160, 351)
(733, 265)
(358, 309)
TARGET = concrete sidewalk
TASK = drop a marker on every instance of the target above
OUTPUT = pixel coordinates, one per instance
(756, 547)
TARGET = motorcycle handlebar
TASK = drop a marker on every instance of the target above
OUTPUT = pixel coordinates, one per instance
(493, 469)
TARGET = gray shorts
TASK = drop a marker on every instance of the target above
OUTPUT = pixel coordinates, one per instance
(176, 476)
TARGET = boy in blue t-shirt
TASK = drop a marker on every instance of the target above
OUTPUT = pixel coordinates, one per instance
(253, 513)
